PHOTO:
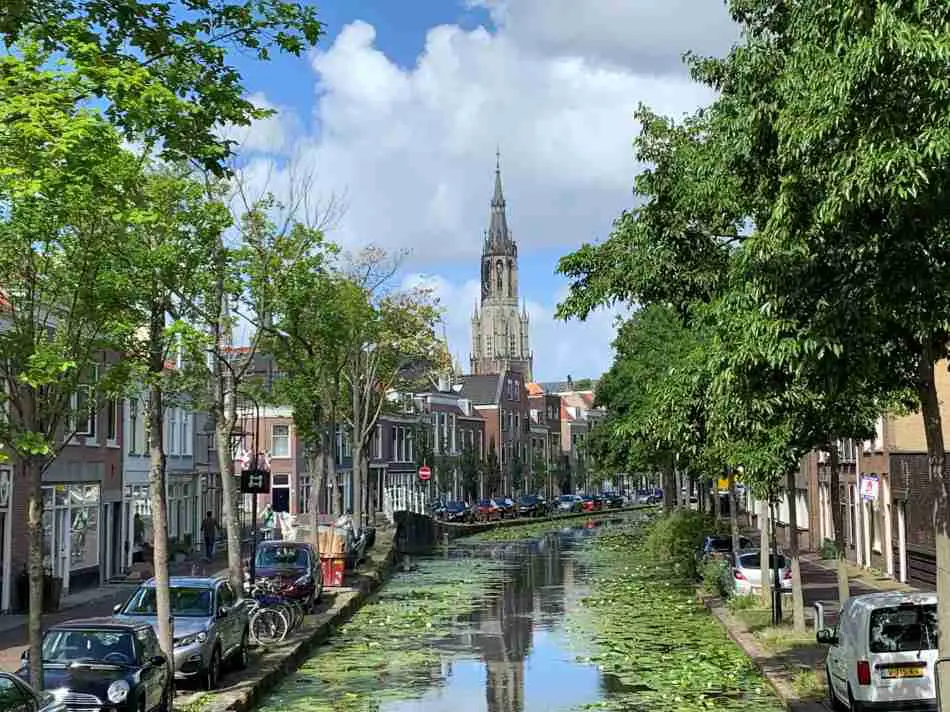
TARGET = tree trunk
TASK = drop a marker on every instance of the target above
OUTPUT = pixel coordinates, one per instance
(317, 470)
(841, 561)
(798, 598)
(701, 496)
(669, 485)
(936, 452)
(33, 476)
(156, 479)
(357, 492)
(224, 406)
(733, 512)
(764, 553)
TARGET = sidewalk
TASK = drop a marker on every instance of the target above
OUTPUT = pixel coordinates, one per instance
(88, 603)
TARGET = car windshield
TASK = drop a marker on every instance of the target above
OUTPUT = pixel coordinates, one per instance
(455, 506)
(186, 602)
(566, 498)
(906, 628)
(528, 499)
(754, 561)
(486, 503)
(271, 557)
(115, 647)
(720, 544)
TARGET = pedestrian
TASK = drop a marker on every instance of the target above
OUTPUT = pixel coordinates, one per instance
(267, 522)
(209, 530)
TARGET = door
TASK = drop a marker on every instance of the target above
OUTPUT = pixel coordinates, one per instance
(280, 499)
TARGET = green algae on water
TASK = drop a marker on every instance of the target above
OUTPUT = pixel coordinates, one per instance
(385, 652)
(657, 649)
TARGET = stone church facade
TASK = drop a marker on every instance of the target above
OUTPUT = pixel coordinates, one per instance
(499, 324)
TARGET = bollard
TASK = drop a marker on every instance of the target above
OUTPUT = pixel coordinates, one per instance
(819, 615)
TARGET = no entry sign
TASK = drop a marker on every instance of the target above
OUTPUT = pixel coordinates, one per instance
(425, 472)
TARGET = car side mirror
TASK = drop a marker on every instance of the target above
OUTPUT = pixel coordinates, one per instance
(827, 636)
(117, 608)
(25, 656)
(158, 661)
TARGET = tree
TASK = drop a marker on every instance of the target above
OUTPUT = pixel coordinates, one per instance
(492, 484)
(397, 334)
(470, 471)
(539, 473)
(162, 68)
(516, 473)
(174, 236)
(64, 190)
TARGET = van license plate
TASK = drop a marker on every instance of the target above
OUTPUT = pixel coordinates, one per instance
(902, 672)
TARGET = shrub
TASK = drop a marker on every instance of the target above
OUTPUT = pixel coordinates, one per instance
(713, 572)
(828, 550)
(744, 602)
(674, 540)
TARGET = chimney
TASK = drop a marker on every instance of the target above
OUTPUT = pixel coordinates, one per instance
(444, 384)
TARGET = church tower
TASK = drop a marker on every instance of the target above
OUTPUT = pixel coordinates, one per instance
(499, 325)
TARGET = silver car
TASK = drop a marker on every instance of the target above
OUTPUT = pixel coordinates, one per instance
(210, 625)
(744, 574)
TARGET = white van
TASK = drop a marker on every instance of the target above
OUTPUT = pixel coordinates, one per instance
(882, 652)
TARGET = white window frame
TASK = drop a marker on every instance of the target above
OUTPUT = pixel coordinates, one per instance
(171, 431)
(275, 438)
(90, 388)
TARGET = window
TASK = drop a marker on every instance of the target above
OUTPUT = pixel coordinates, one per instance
(112, 421)
(378, 443)
(280, 441)
(905, 628)
(133, 425)
(82, 420)
(185, 436)
(171, 432)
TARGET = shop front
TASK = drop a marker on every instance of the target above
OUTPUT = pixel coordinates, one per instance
(71, 518)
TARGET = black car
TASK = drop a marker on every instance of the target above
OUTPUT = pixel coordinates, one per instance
(106, 664)
(17, 696)
(457, 512)
(531, 506)
(613, 500)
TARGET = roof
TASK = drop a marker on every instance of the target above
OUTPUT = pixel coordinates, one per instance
(886, 599)
(483, 389)
(195, 581)
(534, 389)
(272, 543)
(100, 622)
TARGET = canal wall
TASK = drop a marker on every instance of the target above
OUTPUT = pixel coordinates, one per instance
(241, 690)
(418, 533)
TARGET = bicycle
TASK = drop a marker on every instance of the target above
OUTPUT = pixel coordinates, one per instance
(271, 595)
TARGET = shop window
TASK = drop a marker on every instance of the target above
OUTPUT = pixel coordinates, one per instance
(71, 524)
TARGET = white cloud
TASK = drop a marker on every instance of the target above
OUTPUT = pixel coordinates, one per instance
(561, 349)
(412, 145)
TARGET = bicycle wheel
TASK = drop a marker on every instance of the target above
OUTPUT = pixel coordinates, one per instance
(269, 626)
(298, 612)
(290, 610)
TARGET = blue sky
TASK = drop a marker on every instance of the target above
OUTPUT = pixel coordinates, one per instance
(400, 109)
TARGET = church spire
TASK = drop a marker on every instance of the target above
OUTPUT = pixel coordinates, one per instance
(499, 239)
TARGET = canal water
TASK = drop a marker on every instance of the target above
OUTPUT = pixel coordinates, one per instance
(479, 626)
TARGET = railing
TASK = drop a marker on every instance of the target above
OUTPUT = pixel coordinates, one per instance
(400, 499)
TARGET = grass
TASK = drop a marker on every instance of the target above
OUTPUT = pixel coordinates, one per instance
(809, 685)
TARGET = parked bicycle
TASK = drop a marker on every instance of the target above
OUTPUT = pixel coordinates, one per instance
(272, 616)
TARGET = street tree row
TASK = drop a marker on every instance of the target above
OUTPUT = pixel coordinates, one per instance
(788, 256)
(124, 264)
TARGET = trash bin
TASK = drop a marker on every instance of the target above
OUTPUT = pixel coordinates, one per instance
(332, 567)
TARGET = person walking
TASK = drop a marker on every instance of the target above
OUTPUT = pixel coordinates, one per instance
(209, 530)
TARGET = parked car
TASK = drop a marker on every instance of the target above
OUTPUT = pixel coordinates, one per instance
(569, 503)
(507, 507)
(487, 510)
(718, 547)
(744, 573)
(882, 653)
(294, 567)
(613, 500)
(457, 512)
(211, 624)
(648, 496)
(105, 664)
(531, 505)
(17, 695)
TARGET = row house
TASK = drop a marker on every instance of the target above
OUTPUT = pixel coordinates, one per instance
(82, 496)
(577, 411)
(501, 400)
(545, 414)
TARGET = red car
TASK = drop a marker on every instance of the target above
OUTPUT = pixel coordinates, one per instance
(487, 510)
(294, 567)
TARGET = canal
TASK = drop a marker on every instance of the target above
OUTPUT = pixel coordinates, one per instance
(503, 626)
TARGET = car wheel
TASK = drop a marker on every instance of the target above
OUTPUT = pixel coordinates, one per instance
(240, 657)
(213, 671)
(833, 701)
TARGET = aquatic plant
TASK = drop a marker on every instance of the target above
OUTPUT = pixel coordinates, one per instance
(658, 648)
